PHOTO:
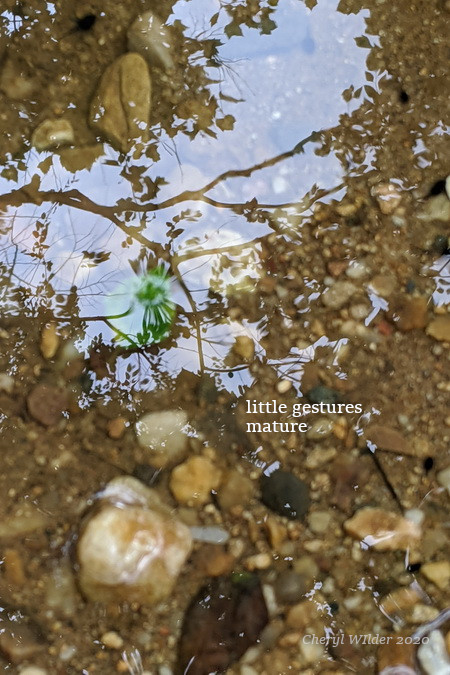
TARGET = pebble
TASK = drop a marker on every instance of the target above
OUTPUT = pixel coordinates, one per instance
(112, 640)
(311, 652)
(236, 490)
(244, 347)
(439, 328)
(388, 197)
(120, 110)
(194, 480)
(276, 532)
(132, 548)
(285, 494)
(283, 386)
(289, 587)
(319, 457)
(32, 670)
(49, 341)
(116, 427)
(435, 208)
(259, 561)
(6, 383)
(357, 269)
(148, 37)
(51, 134)
(302, 615)
(319, 521)
(162, 433)
(16, 80)
(337, 295)
(209, 534)
(383, 284)
(396, 658)
(443, 478)
(422, 613)
(386, 438)
(321, 428)
(46, 404)
(383, 530)
(322, 394)
(433, 656)
(437, 572)
(409, 313)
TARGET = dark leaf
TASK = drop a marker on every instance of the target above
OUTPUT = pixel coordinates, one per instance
(222, 622)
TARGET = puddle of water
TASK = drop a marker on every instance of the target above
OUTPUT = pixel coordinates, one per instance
(216, 247)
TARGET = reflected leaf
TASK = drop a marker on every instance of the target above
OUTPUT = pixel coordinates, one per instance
(232, 29)
(363, 42)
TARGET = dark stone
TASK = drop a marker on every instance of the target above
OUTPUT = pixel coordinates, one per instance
(290, 587)
(86, 22)
(440, 244)
(285, 494)
(224, 619)
(322, 394)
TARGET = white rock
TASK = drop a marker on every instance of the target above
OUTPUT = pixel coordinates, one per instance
(209, 534)
(194, 479)
(337, 295)
(163, 434)
(129, 551)
(32, 670)
(151, 39)
(433, 656)
(52, 134)
(319, 521)
(443, 478)
(357, 269)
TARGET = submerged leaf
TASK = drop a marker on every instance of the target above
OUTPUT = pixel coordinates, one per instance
(224, 619)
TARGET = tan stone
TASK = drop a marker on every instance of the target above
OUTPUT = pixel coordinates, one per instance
(383, 530)
(49, 341)
(409, 313)
(193, 480)
(116, 427)
(389, 439)
(439, 328)
(120, 110)
(437, 572)
(400, 599)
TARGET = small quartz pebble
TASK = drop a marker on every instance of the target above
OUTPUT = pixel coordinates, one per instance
(244, 347)
(388, 197)
(383, 284)
(357, 269)
(132, 548)
(112, 640)
(437, 572)
(194, 480)
(439, 328)
(386, 438)
(433, 656)
(259, 561)
(382, 530)
(32, 670)
(46, 404)
(53, 133)
(49, 341)
(163, 434)
(283, 386)
(337, 295)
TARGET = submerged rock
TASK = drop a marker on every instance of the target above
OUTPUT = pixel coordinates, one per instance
(120, 110)
(285, 494)
(52, 134)
(383, 530)
(148, 37)
(131, 549)
(163, 434)
(194, 480)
